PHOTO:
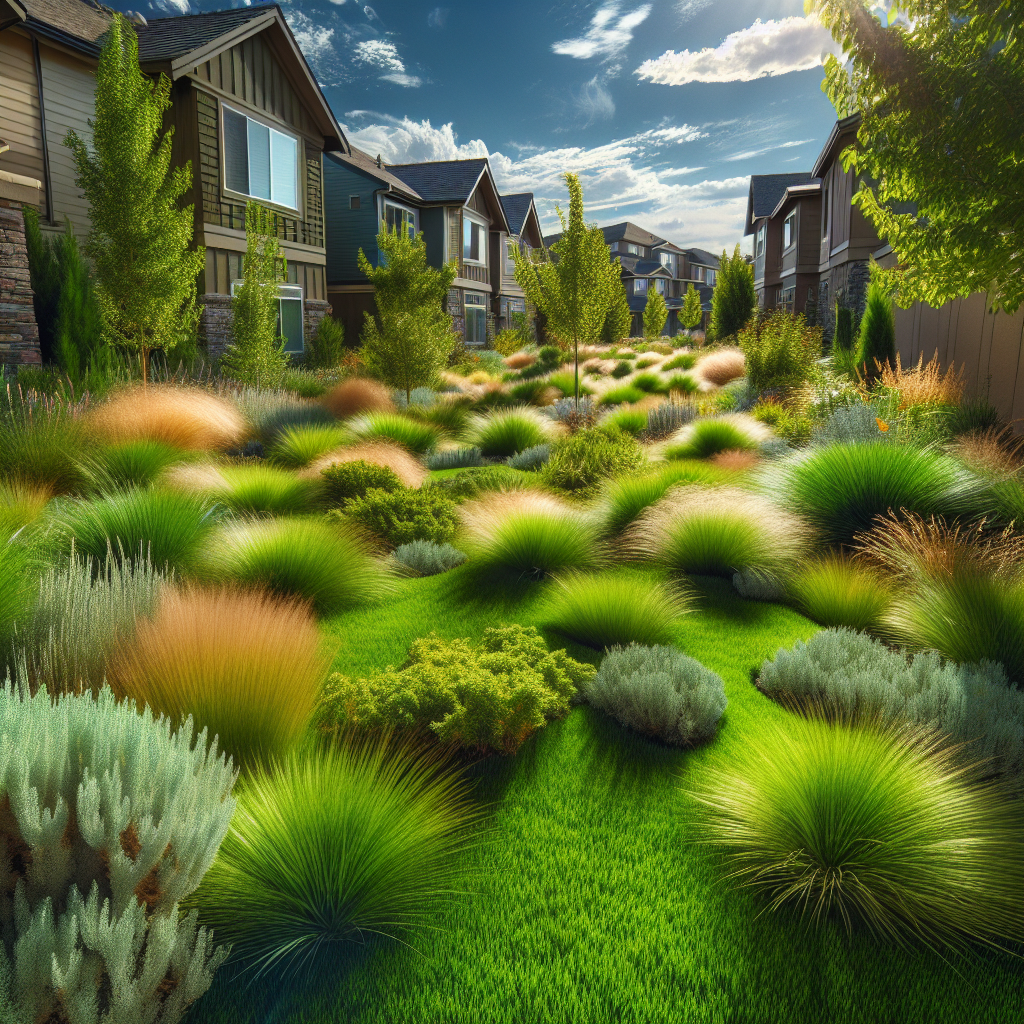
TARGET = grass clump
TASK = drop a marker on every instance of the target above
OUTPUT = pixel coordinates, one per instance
(490, 697)
(348, 480)
(622, 368)
(402, 516)
(719, 367)
(580, 462)
(627, 394)
(506, 432)
(530, 459)
(357, 396)
(707, 437)
(681, 382)
(475, 481)
(668, 417)
(627, 419)
(244, 665)
(299, 444)
(45, 453)
(15, 594)
(331, 846)
(315, 560)
(266, 490)
(416, 437)
(659, 692)
(608, 609)
(118, 467)
(425, 558)
(683, 361)
(566, 383)
(455, 458)
(836, 591)
(871, 826)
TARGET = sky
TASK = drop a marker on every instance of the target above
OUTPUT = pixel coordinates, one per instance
(663, 107)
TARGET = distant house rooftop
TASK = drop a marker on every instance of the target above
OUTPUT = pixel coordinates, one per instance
(765, 192)
(516, 207)
(442, 181)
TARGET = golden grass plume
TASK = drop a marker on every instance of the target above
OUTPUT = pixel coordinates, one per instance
(925, 383)
(719, 367)
(358, 395)
(520, 360)
(408, 469)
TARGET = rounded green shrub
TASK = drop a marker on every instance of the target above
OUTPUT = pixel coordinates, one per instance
(425, 558)
(346, 480)
(474, 481)
(506, 432)
(580, 462)
(400, 517)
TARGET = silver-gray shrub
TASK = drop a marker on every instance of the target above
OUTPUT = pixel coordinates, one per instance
(530, 458)
(424, 397)
(660, 692)
(849, 424)
(425, 558)
(852, 674)
(81, 613)
(108, 820)
(668, 417)
(456, 458)
(564, 408)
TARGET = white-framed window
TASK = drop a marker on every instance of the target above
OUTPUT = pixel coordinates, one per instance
(474, 240)
(259, 161)
(666, 259)
(633, 250)
(789, 230)
(710, 277)
(659, 283)
(639, 285)
(476, 318)
(759, 244)
(400, 219)
(697, 273)
(510, 265)
(289, 315)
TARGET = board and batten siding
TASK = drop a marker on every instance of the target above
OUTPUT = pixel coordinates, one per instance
(348, 230)
(69, 102)
(225, 265)
(19, 112)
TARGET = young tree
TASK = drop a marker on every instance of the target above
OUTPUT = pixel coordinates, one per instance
(692, 310)
(619, 319)
(734, 300)
(409, 340)
(877, 345)
(655, 313)
(256, 354)
(146, 272)
(575, 288)
(941, 99)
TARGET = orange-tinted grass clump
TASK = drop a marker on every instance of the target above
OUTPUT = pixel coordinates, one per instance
(720, 367)
(357, 395)
(408, 469)
(520, 360)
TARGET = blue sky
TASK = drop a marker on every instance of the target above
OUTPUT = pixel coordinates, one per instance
(664, 107)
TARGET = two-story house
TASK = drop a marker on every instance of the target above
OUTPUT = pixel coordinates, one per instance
(247, 114)
(454, 204)
(524, 232)
(775, 236)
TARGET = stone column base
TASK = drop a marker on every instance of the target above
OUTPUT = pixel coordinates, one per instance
(313, 311)
(19, 333)
(215, 324)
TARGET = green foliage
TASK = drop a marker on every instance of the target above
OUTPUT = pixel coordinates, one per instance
(425, 558)
(166, 528)
(623, 368)
(407, 343)
(566, 383)
(15, 594)
(346, 480)
(781, 351)
(580, 462)
(130, 464)
(734, 300)
(624, 498)
(111, 819)
(45, 451)
(692, 311)
(707, 437)
(629, 421)
(620, 396)
(669, 417)
(455, 458)
(506, 432)
(849, 424)
(842, 674)
(474, 481)
(489, 698)
(140, 243)
(332, 846)
(418, 438)
(530, 459)
(655, 313)
(838, 592)
(659, 692)
(649, 383)
(305, 383)
(877, 343)
(791, 425)
(872, 826)
(939, 97)
(298, 444)
(683, 361)
(402, 516)
(619, 318)
(260, 489)
(326, 349)
(605, 609)
(843, 341)
(317, 561)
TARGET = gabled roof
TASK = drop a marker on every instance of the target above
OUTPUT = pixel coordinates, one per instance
(366, 164)
(795, 192)
(76, 24)
(703, 258)
(648, 268)
(517, 209)
(842, 134)
(670, 246)
(627, 231)
(765, 192)
(169, 38)
(442, 181)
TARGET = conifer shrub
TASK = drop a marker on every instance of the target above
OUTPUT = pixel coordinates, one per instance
(734, 300)
(489, 697)
(299, 444)
(405, 466)
(836, 591)
(506, 432)
(659, 692)
(455, 458)
(347, 480)
(402, 516)
(843, 340)
(580, 462)
(876, 345)
(425, 558)
(130, 464)
(607, 609)
(869, 826)
(245, 665)
(334, 845)
(357, 396)
(850, 676)
(418, 438)
(111, 818)
(326, 349)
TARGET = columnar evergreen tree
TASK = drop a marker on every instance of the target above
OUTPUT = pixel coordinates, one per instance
(877, 344)
(409, 340)
(692, 311)
(941, 96)
(734, 300)
(140, 240)
(256, 354)
(843, 340)
(655, 313)
(619, 318)
(575, 288)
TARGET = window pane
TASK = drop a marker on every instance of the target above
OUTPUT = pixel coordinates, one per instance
(389, 217)
(290, 324)
(259, 160)
(467, 239)
(476, 242)
(283, 159)
(236, 152)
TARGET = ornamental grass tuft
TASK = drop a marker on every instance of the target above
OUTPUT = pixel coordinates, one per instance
(837, 591)
(117, 467)
(267, 490)
(409, 470)
(719, 367)
(505, 432)
(416, 437)
(302, 443)
(707, 437)
(358, 395)
(876, 827)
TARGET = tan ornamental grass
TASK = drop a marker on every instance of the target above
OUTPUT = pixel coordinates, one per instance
(735, 460)
(479, 516)
(720, 367)
(994, 450)
(520, 360)
(925, 383)
(245, 665)
(186, 418)
(197, 477)
(358, 395)
(406, 467)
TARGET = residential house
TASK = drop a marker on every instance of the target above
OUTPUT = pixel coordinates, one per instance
(454, 204)
(523, 231)
(779, 244)
(247, 113)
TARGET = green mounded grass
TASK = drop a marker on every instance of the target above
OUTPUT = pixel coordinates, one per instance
(260, 489)
(566, 383)
(709, 437)
(683, 361)
(300, 444)
(506, 432)
(47, 451)
(631, 421)
(131, 464)
(838, 592)
(592, 847)
(681, 382)
(650, 383)
(619, 396)
(416, 437)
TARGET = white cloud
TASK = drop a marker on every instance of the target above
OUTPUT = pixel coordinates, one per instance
(172, 7)
(690, 8)
(608, 33)
(765, 48)
(401, 78)
(315, 42)
(401, 140)
(384, 55)
(437, 17)
(750, 153)
(595, 101)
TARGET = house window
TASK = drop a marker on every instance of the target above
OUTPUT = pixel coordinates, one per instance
(786, 297)
(353, 202)
(789, 230)
(698, 273)
(759, 245)
(659, 283)
(260, 161)
(633, 250)
(474, 241)
(666, 259)
(826, 213)
(289, 315)
(710, 277)
(400, 220)
(510, 265)
(640, 286)
(476, 319)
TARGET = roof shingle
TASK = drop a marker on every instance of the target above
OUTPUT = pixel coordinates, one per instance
(442, 181)
(765, 192)
(169, 38)
(516, 207)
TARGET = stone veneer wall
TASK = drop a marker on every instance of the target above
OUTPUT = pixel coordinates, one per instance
(19, 333)
(847, 284)
(215, 323)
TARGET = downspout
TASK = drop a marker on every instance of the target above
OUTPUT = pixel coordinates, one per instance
(42, 129)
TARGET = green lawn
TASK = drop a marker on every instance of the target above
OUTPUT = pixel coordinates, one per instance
(587, 901)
